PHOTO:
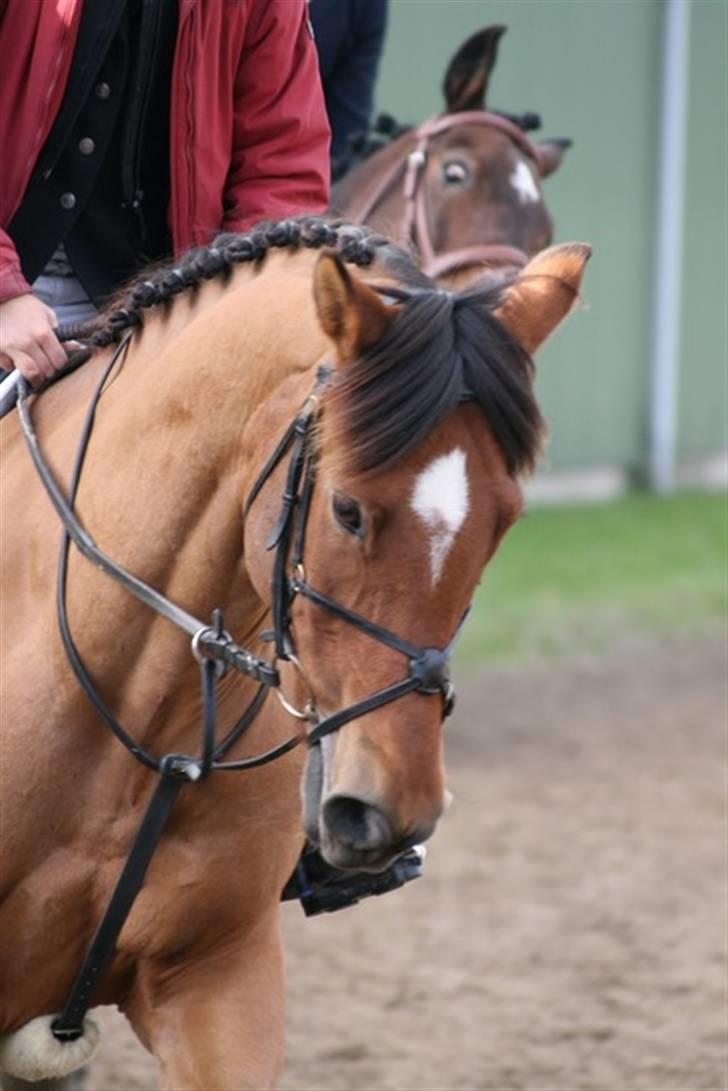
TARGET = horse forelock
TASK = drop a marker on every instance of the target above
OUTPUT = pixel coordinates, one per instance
(441, 350)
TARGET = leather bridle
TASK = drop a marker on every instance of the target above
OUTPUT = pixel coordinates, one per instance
(414, 225)
(216, 652)
(428, 668)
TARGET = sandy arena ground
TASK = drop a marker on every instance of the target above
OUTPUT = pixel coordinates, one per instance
(570, 933)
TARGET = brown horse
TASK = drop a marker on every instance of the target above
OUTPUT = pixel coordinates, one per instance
(465, 186)
(403, 468)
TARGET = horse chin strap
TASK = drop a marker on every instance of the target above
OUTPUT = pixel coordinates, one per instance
(429, 668)
(415, 226)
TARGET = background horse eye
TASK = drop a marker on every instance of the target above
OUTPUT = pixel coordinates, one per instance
(347, 513)
(456, 172)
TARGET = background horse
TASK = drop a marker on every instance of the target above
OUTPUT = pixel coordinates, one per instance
(423, 419)
(465, 186)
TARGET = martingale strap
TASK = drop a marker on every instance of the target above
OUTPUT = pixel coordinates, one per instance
(68, 1026)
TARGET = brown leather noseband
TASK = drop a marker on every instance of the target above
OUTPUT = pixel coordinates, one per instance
(414, 226)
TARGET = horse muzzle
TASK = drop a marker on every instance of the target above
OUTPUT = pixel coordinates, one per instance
(357, 835)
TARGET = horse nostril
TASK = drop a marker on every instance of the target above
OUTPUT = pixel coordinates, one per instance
(356, 823)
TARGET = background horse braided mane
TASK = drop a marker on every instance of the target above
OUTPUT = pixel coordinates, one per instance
(414, 489)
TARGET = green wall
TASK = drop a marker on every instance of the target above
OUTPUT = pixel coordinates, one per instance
(591, 68)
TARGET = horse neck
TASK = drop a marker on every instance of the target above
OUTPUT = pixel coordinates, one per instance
(258, 324)
(167, 469)
(193, 383)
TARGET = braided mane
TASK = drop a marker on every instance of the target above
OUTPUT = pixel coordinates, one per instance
(159, 285)
(442, 348)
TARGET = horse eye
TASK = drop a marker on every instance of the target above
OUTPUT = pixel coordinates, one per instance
(456, 172)
(347, 513)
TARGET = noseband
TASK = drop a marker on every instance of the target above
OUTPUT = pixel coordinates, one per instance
(414, 226)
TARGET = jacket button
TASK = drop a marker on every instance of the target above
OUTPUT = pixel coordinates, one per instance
(86, 146)
(68, 201)
(102, 90)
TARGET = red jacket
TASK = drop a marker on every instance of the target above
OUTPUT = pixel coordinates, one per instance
(248, 131)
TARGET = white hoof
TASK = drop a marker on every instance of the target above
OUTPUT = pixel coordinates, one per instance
(32, 1053)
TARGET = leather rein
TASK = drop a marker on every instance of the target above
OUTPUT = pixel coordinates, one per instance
(216, 652)
(414, 226)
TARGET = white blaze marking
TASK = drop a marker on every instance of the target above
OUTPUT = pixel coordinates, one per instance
(440, 499)
(523, 183)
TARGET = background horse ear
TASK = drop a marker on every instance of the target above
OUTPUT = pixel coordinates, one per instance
(551, 152)
(544, 293)
(351, 314)
(466, 80)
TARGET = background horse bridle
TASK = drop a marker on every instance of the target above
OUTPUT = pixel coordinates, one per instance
(414, 226)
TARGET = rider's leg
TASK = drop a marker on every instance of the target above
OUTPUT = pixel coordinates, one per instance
(59, 288)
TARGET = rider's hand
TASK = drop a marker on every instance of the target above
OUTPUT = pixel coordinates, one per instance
(27, 340)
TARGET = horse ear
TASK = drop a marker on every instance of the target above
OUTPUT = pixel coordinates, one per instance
(350, 313)
(551, 152)
(466, 80)
(544, 293)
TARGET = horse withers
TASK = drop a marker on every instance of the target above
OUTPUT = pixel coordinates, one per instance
(464, 187)
(407, 416)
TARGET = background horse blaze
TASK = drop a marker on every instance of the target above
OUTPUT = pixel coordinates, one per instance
(414, 490)
(465, 186)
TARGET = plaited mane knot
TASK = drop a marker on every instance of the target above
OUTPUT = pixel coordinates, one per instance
(355, 244)
(145, 294)
(317, 233)
(214, 262)
(284, 234)
(123, 319)
(174, 282)
(246, 248)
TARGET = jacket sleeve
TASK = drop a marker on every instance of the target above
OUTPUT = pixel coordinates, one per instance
(12, 281)
(280, 155)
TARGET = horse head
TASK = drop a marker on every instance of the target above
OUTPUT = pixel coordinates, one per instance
(465, 186)
(423, 419)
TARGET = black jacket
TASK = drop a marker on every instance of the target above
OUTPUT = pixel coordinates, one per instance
(349, 38)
